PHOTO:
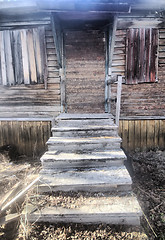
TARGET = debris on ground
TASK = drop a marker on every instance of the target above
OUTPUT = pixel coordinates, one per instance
(148, 174)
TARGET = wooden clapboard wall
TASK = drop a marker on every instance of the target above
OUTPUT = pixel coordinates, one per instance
(146, 99)
(34, 100)
(142, 134)
(22, 55)
(119, 55)
(29, 137)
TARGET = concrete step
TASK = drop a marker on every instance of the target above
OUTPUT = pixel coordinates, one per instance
(83, 144)
(93, 180)
(91, 210)
(75, 116)
(58, 161)
(85, 131)
(84, 122)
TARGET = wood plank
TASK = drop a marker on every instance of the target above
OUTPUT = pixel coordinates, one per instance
(38, 56)
(30, 108)
(157, 129)
(31, 56)
(131, 135)
(9, 218)
(137, 135)
(125, 135)
(17, 54)
(25, 59)
(147, 53)
(143, 133)
(118, 103)
(153, 60)
(150, 133)
(3, 60)
(43, 55)
(9, 58)
(162, 134)
(142, 56)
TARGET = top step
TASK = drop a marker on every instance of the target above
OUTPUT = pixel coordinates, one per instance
(69, 116)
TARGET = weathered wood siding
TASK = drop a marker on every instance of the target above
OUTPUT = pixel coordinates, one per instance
(119, 55)
(29, 137)
(35, 100)
(22, 56)
(142, 134)
(147, 99)
(85, 71)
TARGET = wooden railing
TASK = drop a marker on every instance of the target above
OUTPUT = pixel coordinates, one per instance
(118, 80)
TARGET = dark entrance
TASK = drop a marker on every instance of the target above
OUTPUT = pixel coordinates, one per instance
(85, 71)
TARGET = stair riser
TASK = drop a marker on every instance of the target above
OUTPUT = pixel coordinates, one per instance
(112, 219)
(83, 147)
(67, 165)
(81, 123)
(93, 133)
(86, 188)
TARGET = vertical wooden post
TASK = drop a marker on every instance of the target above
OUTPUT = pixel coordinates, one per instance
(110, 43)
(119, 86)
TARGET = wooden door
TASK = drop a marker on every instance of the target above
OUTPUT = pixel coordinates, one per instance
(85, 71)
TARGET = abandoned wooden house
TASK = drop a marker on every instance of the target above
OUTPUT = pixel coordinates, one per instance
(67, 68)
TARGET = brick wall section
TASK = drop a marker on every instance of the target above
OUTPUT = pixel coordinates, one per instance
(85, 71)
(147, 99)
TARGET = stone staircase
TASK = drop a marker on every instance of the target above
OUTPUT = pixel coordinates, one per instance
(84, 158)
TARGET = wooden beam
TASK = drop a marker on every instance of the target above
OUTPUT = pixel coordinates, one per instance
(57, 38)
(112, 34)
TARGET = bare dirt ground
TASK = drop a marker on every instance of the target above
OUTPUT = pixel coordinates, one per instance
(148, 174)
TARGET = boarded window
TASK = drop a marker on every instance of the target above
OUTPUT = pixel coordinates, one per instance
(141, 62)
(22, 56)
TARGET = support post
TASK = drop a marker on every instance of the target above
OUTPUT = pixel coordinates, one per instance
(119, 87)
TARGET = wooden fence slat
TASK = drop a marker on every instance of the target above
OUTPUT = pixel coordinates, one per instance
(150, 133)
(131, 133)
(9, 58)
(143, 133)
(162, 134)
(157, 129)
(125, 135)
(25, 57)
(137, 135)
(3, 60)
(31, 56)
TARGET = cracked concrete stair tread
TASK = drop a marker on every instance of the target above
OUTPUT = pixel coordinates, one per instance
(111, 176)
(61, 156)
(109, 209)
(93, 140)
